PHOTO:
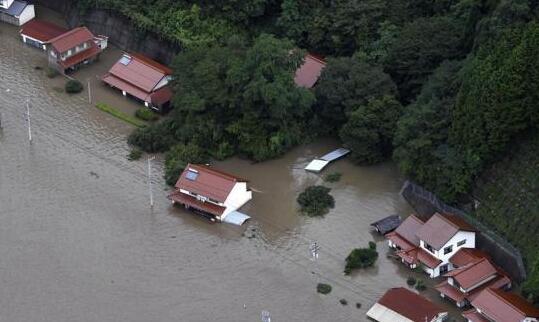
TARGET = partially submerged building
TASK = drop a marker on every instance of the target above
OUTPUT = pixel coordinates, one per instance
(39, 33)
(212, 193)
(402, 305)
(308, 73)
(430, 245)
(143, 79)
(16, 12)
(72, 49)
(387, 224)
(495, 305)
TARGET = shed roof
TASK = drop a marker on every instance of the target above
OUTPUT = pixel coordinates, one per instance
(16, 8)
(503, 306)
(197, 204)
(439, 229)
(42, 30)
(308, 73)
(409, 305)
(208, 182)
(139, 71)
(387, 224)
(71, 39)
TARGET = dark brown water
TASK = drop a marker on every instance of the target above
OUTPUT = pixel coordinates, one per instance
(79, 242)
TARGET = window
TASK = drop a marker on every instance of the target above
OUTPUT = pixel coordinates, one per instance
(448, 249)
(462, 242)
(429, 248)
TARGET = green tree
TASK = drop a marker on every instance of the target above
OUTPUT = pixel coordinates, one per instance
(316, 201)
(370, 129)
(177, 158)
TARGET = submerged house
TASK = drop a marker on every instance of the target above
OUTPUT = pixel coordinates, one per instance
(39, 33)
(430, 245)
(473, 273)
(402, 305)
(211, 193)
(142, 78)
(16, 12)
(73, 49)
(308, 73)
(494, 305)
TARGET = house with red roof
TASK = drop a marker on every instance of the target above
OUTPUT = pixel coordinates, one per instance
(39, 33)
(211, 193)
(402, 305)
(495, 305)
(143, 79)
(308, 73)
(431, 244)
(73, 49)
(465, 283)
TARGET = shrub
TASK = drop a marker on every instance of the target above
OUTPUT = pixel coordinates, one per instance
(146, 114)
(411, 281)
(323, 288)
(51, 72)
(135, 154)
(420, 285)
(358, 305)
(153, 138)
(360, 258)
(316, 201)
(343, 301)
(177, 158)
(73, 86)
(372, 245)
(333, 177)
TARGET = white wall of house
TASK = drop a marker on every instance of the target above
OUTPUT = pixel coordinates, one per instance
(25, 39)
(462, 239)
(239, 195)
(529, 319)
(5, 3)
(27, 14)
(163, 82)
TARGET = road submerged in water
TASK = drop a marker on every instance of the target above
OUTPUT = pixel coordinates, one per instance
(79, 242)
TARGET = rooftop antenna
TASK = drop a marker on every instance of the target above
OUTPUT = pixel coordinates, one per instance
(150, 179)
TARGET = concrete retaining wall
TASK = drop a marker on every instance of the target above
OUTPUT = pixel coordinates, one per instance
(503, 254)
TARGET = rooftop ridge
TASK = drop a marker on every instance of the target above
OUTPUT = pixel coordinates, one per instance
(505, 300)
(215, 172)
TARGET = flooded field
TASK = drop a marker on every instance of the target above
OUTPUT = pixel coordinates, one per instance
(79, 242)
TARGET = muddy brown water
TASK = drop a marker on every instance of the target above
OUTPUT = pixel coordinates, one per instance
(79, 242)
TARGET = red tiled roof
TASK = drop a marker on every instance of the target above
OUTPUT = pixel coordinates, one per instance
(93, 51)
(474, 273)
(465, 256)
(474, 316)
(439, 229)
(308, 73)
(71, 39)
(419, 255)
(161, 96)
(504, 307)
(193, 202)
(409, 304)
(450, 291)
(209, 183)
(139, 72)
(41, 30)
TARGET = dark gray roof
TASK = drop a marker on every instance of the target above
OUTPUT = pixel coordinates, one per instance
(16, 8)
(387, 224)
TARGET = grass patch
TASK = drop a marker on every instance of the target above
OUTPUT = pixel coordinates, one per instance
(146, 115)
(333, 177)
(135, 154)
(316, 201)
(119, 114)
(323, 288)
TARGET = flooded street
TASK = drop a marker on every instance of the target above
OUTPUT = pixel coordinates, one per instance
(79, 242)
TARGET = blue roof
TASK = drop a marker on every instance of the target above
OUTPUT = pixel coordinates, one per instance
(16, 8)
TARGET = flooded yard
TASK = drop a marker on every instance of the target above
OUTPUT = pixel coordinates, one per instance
(79, 242)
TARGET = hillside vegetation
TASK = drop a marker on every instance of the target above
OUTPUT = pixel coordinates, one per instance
(443, 87)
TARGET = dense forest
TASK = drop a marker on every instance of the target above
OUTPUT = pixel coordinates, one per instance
(442, 87)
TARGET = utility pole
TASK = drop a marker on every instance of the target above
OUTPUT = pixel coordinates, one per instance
(89, 92)
(28, 120)
(150, 179)
(315, 250)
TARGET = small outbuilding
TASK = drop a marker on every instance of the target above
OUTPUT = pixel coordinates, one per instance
(39, 33)
(308, 73)
(143, 79)
(16, 12)
(402, 305)
(387, 224)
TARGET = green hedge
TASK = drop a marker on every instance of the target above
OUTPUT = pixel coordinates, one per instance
(119, 114)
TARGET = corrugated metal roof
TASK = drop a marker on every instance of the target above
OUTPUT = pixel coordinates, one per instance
(504, 307)
(138, 72)
(409, 305)
(387, 224)
(191, 201)
(308, 73)
(409, 228)
(71, 39)
(236, 218)
(42, 30)
(439, 229)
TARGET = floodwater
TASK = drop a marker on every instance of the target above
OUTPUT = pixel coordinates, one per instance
(79, 242)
